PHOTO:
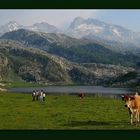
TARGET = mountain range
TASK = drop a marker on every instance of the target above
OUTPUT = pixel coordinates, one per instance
(75, 50)
(89, 52)
(81, 27)
(92, 29)
(39, 27)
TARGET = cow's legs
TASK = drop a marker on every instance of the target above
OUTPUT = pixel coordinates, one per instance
(134, 117)
(131, 118)
(138, 117)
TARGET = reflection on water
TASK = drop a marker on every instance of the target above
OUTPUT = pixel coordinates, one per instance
(75, 89)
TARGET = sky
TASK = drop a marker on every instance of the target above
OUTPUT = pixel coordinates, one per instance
(129, 19)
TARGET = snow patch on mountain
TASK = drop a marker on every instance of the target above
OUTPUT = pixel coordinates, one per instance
(13, 26)
(116, 32)
(84, 27)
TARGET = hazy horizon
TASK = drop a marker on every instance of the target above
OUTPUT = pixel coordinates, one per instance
(129, 19)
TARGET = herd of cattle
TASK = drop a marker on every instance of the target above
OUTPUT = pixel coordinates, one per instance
(132, 102)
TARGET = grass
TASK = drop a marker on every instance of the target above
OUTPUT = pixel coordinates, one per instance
(18, 111)
(9, 84)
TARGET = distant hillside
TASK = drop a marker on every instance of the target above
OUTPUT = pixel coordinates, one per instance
(18, 62)
(21, 63)
(76, 50)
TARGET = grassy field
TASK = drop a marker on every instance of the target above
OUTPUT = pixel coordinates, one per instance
(18, 111)
(20, 84)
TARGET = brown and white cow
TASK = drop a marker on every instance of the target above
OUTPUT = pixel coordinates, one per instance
(132, 102)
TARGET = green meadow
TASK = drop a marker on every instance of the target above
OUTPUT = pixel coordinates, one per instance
(63, 112)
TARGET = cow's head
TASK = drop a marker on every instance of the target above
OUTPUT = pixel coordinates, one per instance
(128, 100)
(125, 97)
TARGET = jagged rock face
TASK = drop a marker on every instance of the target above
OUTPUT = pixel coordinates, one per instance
(3, 61)
(30, 73)
(98, 74)
(102, 70)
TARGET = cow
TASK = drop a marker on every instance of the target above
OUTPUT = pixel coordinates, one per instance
(81, 95)
(132, 102)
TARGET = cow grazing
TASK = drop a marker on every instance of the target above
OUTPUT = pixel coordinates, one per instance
(132, 102)
(81, 95)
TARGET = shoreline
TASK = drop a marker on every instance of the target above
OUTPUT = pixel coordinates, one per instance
(2, 87)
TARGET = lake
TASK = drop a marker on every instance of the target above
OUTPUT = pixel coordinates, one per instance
(75, 89)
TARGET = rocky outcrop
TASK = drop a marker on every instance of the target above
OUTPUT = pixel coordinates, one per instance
(3, 64)
(107, 70)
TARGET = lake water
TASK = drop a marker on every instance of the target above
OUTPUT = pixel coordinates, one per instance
(75, 89)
